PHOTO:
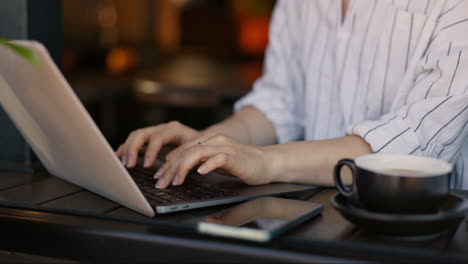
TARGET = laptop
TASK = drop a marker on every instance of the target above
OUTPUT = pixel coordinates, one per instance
(58, 128)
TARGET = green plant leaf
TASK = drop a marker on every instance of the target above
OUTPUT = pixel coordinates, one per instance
(24, 52)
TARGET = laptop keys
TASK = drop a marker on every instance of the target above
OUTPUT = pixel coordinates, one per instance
(189, 191)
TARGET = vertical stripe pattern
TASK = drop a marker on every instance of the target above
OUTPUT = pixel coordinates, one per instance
(392, 72)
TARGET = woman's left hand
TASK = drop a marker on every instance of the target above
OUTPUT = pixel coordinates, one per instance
(251, 164)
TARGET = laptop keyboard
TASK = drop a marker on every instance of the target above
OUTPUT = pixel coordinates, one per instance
(190, 190)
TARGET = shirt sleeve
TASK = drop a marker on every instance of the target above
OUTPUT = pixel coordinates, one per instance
(277, 94)
(432, 117)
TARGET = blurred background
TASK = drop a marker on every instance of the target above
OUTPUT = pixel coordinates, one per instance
(143, 62)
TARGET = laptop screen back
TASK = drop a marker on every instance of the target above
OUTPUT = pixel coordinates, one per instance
(60, 131)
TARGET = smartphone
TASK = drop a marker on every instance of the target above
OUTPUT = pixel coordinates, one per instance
(259, 220)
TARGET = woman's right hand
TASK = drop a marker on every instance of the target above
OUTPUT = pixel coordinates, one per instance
(155, 137)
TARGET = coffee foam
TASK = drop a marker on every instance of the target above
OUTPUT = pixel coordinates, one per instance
(403, 165)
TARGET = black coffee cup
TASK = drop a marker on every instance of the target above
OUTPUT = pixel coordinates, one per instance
(401, 184)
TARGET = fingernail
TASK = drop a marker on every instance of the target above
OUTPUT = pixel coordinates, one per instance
(160, 183)
(159, 173)
(176, 180)
(129, 161)
(147, 162)
(202, 169)
(124, 160)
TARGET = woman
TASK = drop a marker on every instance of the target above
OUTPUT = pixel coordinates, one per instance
(377, 77)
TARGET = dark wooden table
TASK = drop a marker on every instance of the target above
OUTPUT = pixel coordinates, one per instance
(44, 219)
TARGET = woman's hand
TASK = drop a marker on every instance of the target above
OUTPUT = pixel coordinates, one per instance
(253, 165)
(155, 137)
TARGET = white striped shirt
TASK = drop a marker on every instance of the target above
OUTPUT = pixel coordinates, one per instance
(393, 72)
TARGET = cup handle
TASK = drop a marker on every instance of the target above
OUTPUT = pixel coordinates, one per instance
(346, 192)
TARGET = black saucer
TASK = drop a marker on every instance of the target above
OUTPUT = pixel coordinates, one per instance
(449, 216)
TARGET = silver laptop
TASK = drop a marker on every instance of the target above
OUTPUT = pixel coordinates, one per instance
(67, 141)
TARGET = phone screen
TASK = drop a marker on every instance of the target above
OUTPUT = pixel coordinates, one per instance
(265, 223)
(270, 215)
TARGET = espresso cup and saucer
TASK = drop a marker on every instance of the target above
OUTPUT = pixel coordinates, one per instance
(398, 194)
